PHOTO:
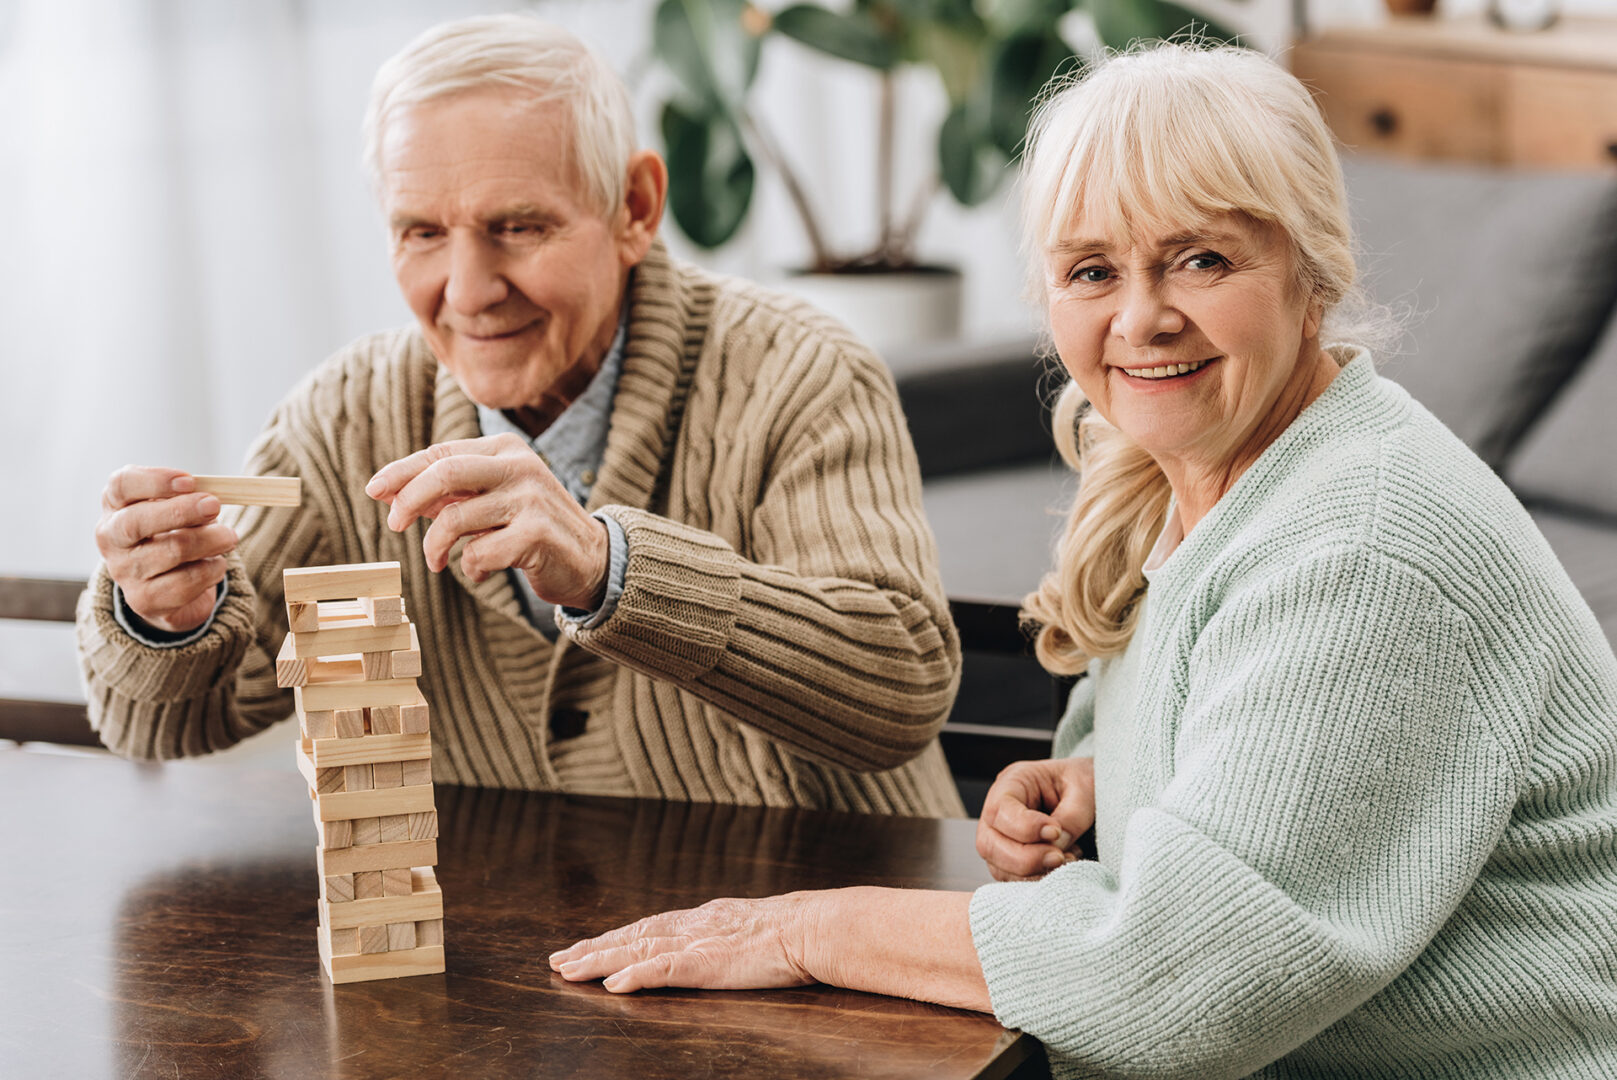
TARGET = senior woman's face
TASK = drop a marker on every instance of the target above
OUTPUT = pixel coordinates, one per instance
(1187, 341)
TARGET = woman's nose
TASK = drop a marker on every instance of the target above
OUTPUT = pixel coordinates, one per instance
(1145, 314)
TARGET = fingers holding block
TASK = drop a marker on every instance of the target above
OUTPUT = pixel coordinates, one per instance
(253, 490)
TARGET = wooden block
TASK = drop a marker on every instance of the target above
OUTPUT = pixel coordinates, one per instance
(421, 960)
(384, 720)
(289, 670)
(368, 831)
(336, 834)
(372, 939)
(339, 888)
(346, 637)
(383, 610)
(400, 935)
(429, 932)
(377, 665)
(406, 663)
(396, 829)
(349, 723)
(363, 580)
(367, 884)
(318, 725)
(422, 826)
(395, 882)
(344, 942)
(416, 772)
(358, 695)
(363, 857)
(335, 669)
(370, 748)
(356, 778)
(303, 618)
(387, 774)
(422, 904)
(413, 718)
(357, 804)
(327, 781)
(253, 490)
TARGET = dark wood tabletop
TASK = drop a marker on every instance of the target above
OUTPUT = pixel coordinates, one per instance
(159, 921)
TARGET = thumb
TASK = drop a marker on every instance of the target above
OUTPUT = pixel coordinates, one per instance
(1074, 813)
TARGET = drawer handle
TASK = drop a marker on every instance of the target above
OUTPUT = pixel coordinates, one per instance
(1385, 121)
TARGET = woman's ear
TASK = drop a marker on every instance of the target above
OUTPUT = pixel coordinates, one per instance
(1313, 318)
(645, 193)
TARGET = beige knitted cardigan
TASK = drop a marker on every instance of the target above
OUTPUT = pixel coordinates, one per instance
(782, 639)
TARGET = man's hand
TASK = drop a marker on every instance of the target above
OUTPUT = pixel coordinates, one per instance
(1032, 814)
(499, 496)
(163, 545)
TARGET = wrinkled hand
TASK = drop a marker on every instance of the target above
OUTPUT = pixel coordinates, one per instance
(722, 945)
(498, 495)
(1033, 813)
(162, 545)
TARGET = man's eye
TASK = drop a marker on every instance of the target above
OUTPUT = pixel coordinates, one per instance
(515, 228)
(421, 233)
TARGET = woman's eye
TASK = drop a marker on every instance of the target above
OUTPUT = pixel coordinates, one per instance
(1205, 261)
(1089, 275)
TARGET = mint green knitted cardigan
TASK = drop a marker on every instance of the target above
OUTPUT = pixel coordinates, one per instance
(1357, 788)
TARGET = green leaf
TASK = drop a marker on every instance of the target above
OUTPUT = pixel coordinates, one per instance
(955, 51)
(710, 174)
(1123, 22)
(705, 45)
(969, 162)
(1022, 65)
(855, 36)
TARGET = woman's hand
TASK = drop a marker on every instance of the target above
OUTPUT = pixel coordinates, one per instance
(499, 496)
(1033, 813)
(722, 945)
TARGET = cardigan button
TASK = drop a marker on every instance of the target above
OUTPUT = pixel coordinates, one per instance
(568, 723)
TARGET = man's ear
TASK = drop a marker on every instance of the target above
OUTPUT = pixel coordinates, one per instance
(645, 193)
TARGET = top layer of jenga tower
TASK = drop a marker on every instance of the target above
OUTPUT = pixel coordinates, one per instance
(365, 748)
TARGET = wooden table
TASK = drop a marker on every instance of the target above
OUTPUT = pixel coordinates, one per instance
(159, 921)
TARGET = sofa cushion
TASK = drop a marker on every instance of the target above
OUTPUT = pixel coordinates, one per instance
(1568, 457)
(1510, 276)
(1588, 550)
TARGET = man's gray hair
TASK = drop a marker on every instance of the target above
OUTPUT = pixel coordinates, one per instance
(526, 53)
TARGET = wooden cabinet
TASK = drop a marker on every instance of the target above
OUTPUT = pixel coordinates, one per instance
(1464, 90)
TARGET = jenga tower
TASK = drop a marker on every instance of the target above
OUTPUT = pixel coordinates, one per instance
(353, 658)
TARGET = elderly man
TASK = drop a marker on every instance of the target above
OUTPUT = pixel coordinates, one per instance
(660, 530)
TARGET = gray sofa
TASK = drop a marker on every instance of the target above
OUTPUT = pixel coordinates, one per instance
(1507, 284)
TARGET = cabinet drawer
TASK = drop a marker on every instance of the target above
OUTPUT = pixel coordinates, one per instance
(1562, 117)
(1411, 105)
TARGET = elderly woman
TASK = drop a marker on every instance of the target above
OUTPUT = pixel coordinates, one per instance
(1349, 736)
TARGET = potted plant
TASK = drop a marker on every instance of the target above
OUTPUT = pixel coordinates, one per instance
(991, 58)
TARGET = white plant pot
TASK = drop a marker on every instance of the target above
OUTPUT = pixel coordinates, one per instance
(888, 309)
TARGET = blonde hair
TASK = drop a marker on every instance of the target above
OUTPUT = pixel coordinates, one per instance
(1158, 139)
(520, 51)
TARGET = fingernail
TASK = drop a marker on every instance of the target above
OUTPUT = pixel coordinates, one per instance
(1053, 859)
(208, 504)
(612, 982)
(1048, 834)
(373, 486)
(1071, 857)
(182, 484)
(1063, 839)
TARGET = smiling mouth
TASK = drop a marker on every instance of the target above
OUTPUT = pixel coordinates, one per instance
(1166, 371)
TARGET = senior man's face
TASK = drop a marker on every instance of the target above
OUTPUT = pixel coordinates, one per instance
(514, 278)
(1192, 342)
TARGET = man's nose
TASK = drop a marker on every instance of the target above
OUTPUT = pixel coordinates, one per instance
(476, 277)
(1145, 314)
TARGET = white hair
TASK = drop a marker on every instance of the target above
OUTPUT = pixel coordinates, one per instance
(520, 51)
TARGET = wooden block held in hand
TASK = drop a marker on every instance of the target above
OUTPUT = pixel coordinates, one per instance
(363, 580)
(396, 882)
(373, 939)
(429, 932)
(367, 884)
(400, 935)
(253, 490)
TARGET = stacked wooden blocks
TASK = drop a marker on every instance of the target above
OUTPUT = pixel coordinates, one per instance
(352, 658)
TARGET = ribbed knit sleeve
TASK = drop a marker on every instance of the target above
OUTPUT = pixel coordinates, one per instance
(832, 635)
(1330, 794)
